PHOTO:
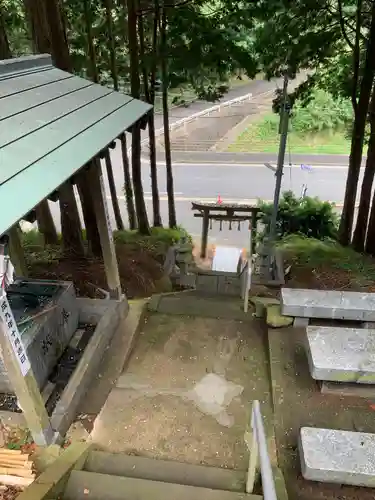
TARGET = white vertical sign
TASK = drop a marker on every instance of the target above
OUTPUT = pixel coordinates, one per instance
(10, 329)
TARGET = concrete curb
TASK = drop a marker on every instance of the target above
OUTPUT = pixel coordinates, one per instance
(107, 315)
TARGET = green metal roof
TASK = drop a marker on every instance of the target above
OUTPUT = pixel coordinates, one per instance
(51, 124)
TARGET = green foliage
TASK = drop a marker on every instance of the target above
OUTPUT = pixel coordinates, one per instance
(159, 240)
(315, 109)
(16, 26)
(205, 45)
(319, 124)
(313, 253)
(310, 217)
(322, 112)
(36, 250)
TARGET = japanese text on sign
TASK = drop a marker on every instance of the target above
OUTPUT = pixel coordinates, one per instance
(11, 331)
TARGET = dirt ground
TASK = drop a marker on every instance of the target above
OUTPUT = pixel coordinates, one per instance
(139, 268)
(293, 388)
(324, 278)
(152, 412)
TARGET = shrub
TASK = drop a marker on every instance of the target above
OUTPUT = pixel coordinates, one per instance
(158, 241)
(310, 217)
(322, 112)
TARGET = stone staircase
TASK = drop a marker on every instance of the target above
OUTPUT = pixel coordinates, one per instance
(116, 476)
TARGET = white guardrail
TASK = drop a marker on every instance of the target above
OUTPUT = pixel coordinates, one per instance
(258, 451)
(205, 112)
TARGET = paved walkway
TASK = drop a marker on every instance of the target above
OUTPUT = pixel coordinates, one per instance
(186, 392)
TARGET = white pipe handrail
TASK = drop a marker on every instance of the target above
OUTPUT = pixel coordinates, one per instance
(194, 116)
(258, 450)
(209, 110)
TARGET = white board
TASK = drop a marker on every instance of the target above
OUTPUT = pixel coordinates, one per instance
(10, 329)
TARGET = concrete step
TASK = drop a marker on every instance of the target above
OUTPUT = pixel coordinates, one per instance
(341, 354)
(166, 471)
(334, 456)
(83, 485)
(328, 304)
(194, 302)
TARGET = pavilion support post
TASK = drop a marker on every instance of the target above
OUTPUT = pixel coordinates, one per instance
(254, 222)
(17, 254)
(205, 225)
(105, 230)
(22, 377)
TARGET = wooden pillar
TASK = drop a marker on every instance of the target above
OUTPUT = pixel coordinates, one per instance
(105, 230)
(22, 377)
(205, 224)
(17, 254)
(254, 222)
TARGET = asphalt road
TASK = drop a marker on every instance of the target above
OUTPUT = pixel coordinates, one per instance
(240, 183)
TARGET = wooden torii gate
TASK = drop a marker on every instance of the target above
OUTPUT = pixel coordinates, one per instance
(224, 212)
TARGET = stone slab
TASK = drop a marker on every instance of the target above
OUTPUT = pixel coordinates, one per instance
(341, 354)
(229, 285)
(84, 485)
(366, 391)
(334, 456)
(207, 283)
(328, 304)
(168, 471)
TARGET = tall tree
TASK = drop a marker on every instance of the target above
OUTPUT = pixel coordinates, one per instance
(128, 188)
(40, 41)
(140, 206)
(70, 222)
(359, 237)
(149, 93)
(88, 210)
(4, 43)
(128, 183)
(113, 64)
(92, 71)
(360, 119)
(315, 35)
(167, 140)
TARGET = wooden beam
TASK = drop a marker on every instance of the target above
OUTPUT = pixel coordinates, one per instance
(16, 251)
(22, 377)
(105, 230)
(205, 224)
(223, 207)
(228, 218)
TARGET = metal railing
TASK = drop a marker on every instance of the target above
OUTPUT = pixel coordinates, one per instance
(187, 119)
(258, 452)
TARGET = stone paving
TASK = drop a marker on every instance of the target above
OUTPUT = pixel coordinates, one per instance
(186, 392)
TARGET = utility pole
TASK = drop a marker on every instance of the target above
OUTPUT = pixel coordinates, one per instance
(284, 121)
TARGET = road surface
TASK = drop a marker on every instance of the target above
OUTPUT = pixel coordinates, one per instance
(234, 183)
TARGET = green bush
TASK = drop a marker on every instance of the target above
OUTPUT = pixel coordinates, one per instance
(307, 216)
(158, 241)
(322, 112)
(269, 126)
